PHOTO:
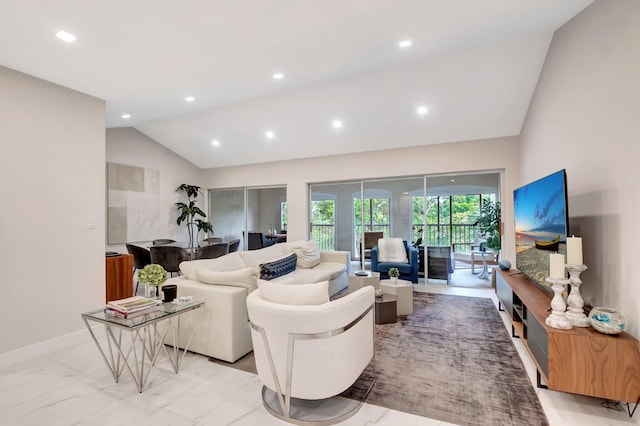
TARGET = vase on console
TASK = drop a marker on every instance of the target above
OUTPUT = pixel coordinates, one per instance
(151, 291)
(153, 276)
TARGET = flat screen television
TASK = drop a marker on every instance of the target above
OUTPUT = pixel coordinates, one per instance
(541, 225)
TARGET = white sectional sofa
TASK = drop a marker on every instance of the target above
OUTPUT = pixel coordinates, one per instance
(222, 328)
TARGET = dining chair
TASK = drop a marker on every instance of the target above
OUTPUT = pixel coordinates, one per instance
(163, 241)
(213, 239)
(169, 257)
(234, 245)
(254, 241)
(370, 241)
(141, 258)
(212, 251)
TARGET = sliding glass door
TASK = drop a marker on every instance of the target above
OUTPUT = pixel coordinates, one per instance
(391, 208)
(342, 212)
(234, 212)
(226, 213)
(264, 209)
(331, 214)
(426, 211)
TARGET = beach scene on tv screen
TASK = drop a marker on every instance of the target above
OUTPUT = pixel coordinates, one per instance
(540, 225)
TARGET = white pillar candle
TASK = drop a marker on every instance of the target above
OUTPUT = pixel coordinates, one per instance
(574, 251)
(556, 266)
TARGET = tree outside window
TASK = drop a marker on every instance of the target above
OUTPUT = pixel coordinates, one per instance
(377, 215)
(283, 215)
(451, 219)
(323, 223)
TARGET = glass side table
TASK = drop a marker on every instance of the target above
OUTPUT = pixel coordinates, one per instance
(139, 353)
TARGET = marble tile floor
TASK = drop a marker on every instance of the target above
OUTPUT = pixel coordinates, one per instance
(72, 386)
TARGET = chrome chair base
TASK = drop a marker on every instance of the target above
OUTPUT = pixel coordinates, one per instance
(312, 412)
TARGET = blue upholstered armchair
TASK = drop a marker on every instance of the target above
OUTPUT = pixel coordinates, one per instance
(408, 271)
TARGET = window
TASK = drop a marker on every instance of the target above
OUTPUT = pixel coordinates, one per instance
(283, 215)
(450, 218)
(377, 216)
(323, 224)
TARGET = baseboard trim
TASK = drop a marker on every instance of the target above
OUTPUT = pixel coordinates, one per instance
(47, 347)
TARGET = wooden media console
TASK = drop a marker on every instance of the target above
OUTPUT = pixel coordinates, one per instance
(581, 360)
(119, 277)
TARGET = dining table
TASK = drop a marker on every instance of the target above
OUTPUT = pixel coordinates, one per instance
(186, 245)
(280, 238)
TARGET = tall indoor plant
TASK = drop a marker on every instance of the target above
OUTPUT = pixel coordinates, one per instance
(188, 212)
(489, 224)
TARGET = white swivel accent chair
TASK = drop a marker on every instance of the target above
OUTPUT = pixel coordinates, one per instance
(307, 355)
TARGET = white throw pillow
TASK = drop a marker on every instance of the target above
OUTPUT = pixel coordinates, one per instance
(392, 250)
(228, 262)
(294, 294)
(267, 254)
(308, 254)
(245, 277)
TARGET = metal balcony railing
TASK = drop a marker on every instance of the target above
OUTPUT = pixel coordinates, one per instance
(436, 235)
(447, 235)
(324, 236)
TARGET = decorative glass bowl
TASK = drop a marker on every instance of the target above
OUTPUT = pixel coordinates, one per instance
(607, 320)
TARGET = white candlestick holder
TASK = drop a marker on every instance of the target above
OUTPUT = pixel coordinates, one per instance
(575, 313)
(558, 318)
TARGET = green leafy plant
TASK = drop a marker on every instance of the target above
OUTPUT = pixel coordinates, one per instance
(489, 224)
(189, 211)
(418, 241)
(152, 274)
(394, 272)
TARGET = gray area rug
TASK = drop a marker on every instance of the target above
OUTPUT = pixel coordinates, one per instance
(451, 360)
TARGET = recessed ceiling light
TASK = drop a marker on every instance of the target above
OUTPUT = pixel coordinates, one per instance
(422, 110)
(189, 99)
(126, 116)
(453, 180)
(337, 124)
(68, 37)
(278, 76)
(215, 142)
(269, 134)
(405, 43)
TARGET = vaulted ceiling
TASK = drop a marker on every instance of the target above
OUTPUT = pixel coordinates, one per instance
(472, 66)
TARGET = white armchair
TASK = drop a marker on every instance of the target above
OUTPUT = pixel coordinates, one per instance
(307, 354)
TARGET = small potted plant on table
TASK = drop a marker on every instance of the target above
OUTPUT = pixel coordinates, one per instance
(153, 276)
(394, 273)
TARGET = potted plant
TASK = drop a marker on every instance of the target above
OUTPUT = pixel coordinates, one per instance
(153, 276)
(489, 224)
(418, 241)
(394, 273)
(188, 212)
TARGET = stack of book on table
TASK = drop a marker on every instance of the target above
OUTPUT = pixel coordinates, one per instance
(132, 307)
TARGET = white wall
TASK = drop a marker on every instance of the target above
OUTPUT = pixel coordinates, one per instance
(52, 181)
(585, 117)
(499, 154)
(129, 146)
(227, 214)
